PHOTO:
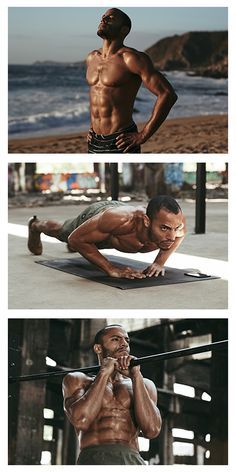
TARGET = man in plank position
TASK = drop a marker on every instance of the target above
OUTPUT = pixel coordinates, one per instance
(115, 73)
(110, 410)
(116, 225)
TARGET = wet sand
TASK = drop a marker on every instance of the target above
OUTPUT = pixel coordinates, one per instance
(200, 134)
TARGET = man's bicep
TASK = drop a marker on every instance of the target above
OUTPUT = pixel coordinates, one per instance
(151, 388)
(73, 388)
(155, 81)
(141, 64)
(90, 232)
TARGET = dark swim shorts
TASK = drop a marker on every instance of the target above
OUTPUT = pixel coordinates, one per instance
(102, 143)
(109, 454)
(93, 209)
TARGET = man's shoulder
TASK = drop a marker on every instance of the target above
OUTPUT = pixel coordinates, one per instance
(75, 380)
(121, 212)
(132, 52)
(92, 54)
(136, 60)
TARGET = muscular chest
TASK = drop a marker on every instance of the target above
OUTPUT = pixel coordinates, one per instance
(118, 395)
(126, 243)
(108, 72)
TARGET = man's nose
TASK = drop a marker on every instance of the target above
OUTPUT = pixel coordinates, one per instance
(171, 234)
(124, 343)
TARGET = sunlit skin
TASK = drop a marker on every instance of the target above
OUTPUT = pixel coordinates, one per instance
(129, 229)
(126, 229)
(115, 73)
(118, 403)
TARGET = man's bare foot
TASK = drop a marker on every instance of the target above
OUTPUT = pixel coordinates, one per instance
(34, 241)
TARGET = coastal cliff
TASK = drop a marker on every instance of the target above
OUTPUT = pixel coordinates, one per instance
(200, 53)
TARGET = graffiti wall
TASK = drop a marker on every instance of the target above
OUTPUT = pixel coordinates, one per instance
(66, 182)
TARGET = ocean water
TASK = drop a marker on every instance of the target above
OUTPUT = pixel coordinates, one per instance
(54, 99)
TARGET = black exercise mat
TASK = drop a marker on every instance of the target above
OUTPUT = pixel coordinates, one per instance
(82, 268)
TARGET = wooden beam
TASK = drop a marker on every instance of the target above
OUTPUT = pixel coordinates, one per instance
(29, 442)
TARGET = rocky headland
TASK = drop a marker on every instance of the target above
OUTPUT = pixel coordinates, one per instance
(202, 53)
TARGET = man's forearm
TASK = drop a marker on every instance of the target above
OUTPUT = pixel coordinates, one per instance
(163, 256)
(160, 112)
(82, 411)
(92, 254)
(147, 414)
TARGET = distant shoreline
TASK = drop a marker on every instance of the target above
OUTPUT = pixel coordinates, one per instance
(200, 71)
(199, 134)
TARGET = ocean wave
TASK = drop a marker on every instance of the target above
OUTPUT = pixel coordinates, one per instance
(47, 121)
(43, 99)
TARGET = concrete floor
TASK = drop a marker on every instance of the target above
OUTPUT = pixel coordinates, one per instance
(32, 286)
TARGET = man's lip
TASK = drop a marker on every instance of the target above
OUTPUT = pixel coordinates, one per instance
(122, 350)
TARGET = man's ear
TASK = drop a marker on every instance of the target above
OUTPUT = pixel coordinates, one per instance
(146, 221)
(97, 348)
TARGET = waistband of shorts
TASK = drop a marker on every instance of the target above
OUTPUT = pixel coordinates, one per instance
(128, 129)
(112, 447)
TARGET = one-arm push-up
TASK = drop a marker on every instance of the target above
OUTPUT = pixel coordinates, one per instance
(116, 225)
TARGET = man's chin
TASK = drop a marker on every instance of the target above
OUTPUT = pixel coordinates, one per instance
(121, 353)
(165, 247)
(101, 34)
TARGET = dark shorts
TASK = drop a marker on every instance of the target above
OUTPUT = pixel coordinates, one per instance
(93, 209)
(109, 454)
(102, 143)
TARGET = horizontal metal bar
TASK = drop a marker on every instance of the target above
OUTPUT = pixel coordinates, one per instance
(139, 361)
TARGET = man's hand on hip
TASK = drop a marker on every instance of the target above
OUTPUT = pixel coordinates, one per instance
(125, 141)
(89, 135)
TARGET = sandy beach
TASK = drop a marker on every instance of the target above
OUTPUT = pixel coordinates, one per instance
(200, 134)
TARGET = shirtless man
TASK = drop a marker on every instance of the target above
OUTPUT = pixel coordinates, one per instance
(116, 225)
(115, 73)
(110, 410)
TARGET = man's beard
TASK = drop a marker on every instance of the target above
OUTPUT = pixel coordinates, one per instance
(108, 33)
(166, 247)
(101, 34)
(113, 354)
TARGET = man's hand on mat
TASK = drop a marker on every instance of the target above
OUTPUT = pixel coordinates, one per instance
(126, 273)
(125, 141)
(154, 270)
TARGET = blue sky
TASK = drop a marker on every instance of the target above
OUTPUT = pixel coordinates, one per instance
(69, 33)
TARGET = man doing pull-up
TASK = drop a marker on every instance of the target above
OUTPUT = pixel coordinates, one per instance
(109, 411)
